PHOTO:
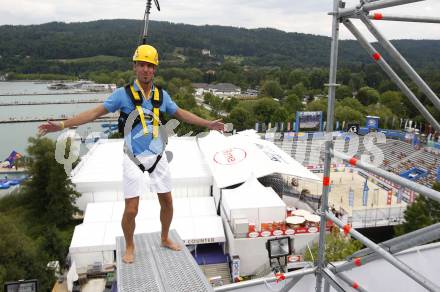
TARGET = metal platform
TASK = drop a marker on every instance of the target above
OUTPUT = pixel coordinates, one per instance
(157, 268)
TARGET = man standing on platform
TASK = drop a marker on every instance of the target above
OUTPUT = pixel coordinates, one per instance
(141, 142)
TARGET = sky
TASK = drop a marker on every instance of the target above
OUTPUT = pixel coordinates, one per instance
(303, 16)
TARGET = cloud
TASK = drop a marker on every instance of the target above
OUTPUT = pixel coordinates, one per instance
(289, 15)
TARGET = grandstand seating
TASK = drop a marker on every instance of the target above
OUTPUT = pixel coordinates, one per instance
(399, 156)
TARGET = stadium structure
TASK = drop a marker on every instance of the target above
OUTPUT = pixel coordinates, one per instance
(235, 209)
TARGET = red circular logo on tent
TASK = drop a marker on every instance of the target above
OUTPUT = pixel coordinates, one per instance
(230, 156)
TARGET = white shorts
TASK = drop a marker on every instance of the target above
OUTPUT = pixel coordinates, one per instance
(136, 183)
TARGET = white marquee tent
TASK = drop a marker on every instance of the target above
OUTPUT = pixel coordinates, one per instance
(254, 202)
(94, 240)
(98, 177)
(233, 159)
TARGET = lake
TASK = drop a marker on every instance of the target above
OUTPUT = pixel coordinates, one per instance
(15, 136)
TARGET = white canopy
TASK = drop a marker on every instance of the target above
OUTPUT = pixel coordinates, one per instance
(195, 219)
(254, 202)
(232, 159)
(99, 174)
(103, 163)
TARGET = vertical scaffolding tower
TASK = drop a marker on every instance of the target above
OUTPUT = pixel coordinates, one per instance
(340, 14)
(329, 275)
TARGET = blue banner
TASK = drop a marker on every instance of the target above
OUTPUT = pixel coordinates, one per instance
(365, 194)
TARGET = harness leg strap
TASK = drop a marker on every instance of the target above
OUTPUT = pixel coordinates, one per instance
(138, 163)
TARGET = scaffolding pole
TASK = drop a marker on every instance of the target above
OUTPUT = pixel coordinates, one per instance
(405, 18)
(350, 282)
(422, 280)
(390, 176)
(329, 143)
(394, 53)
(395, 245)
(390, 72)
(254, 282)
(374, 5)
(289, 285)
(332, 280)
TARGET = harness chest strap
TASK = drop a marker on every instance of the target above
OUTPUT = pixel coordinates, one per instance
(139, 108)
(156, 111)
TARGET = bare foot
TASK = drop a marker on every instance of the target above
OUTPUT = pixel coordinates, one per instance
(128, 257)
(170, 244)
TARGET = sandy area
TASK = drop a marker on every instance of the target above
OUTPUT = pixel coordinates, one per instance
(341, 182)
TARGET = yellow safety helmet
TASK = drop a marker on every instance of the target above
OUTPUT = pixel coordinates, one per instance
(146, 53)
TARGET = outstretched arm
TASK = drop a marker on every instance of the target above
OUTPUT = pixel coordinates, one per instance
(82, 118)
(191, 118)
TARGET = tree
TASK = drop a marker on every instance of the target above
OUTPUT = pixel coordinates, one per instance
(49, 192)
(299, 90)
(318, 78)
(272, 88)
(229, 103)
(20, 257)
(297, 76)
(337, 247)
(318, 105)
(393, 100)
(357, 81)
(385, 114)
(368, 95)
(241, 118)
(353, 103)
(264, 109)
(292, 103)
(423, 212)
(280, 115)
(348, 114)
(343, 91)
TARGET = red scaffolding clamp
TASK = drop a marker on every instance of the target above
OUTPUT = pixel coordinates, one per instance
(346, 229)
(353, 161)
(280, 277)
(378, 16)
(355, 285)
(377, 56)
(326, 181)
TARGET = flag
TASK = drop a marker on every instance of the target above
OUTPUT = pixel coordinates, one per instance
(12, 157)
(399, 195)
(351, 198)
(288, 126)
(365, 194)
(389, 197)
(256, 127)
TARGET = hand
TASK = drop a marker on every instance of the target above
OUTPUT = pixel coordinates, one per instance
(217, 125)
(49, 127)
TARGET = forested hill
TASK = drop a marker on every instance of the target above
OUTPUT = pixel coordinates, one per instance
(261, 47)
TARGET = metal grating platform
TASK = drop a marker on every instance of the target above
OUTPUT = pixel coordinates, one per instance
(157, 268)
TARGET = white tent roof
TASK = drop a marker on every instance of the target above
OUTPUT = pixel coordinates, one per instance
(252, 194)
(195, 219)
(103, 163)
(232, 159)
(254, 202)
